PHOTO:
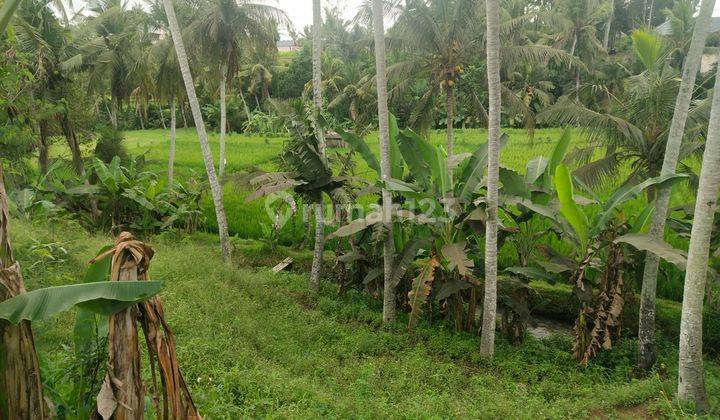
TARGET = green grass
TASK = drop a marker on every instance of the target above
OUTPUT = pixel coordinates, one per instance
(252, 344)
(248, 154)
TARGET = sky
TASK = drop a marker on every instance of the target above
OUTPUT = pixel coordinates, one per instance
(300, 11)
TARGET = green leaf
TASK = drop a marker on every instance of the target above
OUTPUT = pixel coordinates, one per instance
(662, 249)
(396, 161)
(533, 273)
(105, 298)
(419, 155)
(648, 47)
(86, 322)
(513, 183)
(535, 169)
(406, 257)
(474, 171)
(629, 192)
(569, 209)
(359, 145)
(557, 156)
(357, 225)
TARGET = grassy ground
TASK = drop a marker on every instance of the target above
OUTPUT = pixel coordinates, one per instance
(250, 154)
(252, 344)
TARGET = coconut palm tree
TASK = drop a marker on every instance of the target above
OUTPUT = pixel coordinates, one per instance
(217, 192)
(578, 22)
(438, 40)
(316, 269)
(634, 128)
(646, 328)
(691, 382)
(487, 339)
(224, 29)
(114, 54)
(41, 35)
(385, 169)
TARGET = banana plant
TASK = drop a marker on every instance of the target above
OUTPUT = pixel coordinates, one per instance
(433, 215)
(596, 264)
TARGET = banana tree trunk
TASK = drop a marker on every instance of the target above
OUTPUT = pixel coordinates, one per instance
(646, 327)
(171, 153)
(487, 339)
(21, 393)
(217, 192)
(691, 375)
(317, 263)
(389, 292)
(223, 116)
(124, 374)
(450, 109)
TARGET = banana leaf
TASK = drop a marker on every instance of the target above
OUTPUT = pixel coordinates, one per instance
(104, 298)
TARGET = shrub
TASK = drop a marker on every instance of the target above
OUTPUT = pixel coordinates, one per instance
(110, 145)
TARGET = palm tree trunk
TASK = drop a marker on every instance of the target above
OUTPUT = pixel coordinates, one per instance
(162, 117)
(691, 376)
(450, 109)
(182, 113)
(487, 339)
(223, 116)
(244, 103)
(44, 147)
(317, 95)
(646, 327)
(389, 297)
(217, 192)
(21, 392)
(171, 153)
(114, 112)
(69, 132)
(608, 26)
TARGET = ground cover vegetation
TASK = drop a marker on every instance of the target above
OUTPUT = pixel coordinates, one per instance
(480, 187)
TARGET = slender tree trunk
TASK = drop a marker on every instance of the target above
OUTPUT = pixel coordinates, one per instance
(450, 109)
(487, 339)
(182, 113)
(608, 27)
(317, 95)
(691, 376)
(646, 328)
(217, 192)
(68, 129)
(162, 117)
(140, 116)
(114, 112)
(389, 297)
(171, 153)
(44, 147)
(21, 392)
(223, 116)
(244, 104)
